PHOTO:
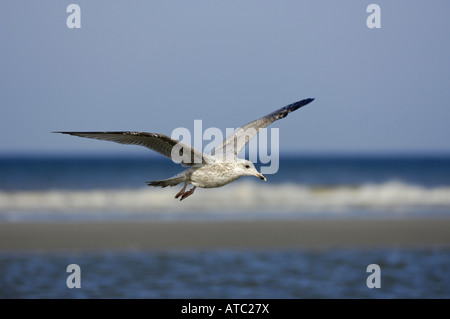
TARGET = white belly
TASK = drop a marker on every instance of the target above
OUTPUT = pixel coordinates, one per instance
(215, 175)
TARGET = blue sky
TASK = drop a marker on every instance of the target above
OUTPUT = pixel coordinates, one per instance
(157, 65)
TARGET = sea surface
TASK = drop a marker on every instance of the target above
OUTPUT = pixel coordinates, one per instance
(341, 273)
(88, 189)
(65, 189)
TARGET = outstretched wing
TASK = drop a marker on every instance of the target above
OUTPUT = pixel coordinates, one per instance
(183, 154)
(235, 142)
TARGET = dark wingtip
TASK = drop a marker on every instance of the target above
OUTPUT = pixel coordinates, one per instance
(305, 101)
(299, 104)
(61, 132)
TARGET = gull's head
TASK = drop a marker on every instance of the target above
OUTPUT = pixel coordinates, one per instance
(246, 168)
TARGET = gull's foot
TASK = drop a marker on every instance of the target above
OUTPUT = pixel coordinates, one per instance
(181, 192)
(188, 193)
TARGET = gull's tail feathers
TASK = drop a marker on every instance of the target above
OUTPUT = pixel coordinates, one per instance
(177, 179)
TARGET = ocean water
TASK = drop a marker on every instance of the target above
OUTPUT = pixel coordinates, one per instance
(102, 189)
(114, 188)
(418, 273)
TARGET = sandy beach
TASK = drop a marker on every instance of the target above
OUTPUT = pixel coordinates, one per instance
(276, 234)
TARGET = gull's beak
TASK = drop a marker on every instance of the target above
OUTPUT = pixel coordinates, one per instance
(261, 176)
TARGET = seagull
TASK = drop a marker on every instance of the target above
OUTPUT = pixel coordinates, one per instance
(222, 166)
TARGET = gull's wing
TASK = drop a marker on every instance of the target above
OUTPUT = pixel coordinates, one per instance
(235, 142)
(184, 154)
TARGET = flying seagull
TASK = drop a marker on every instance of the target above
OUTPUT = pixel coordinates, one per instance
(217, 169)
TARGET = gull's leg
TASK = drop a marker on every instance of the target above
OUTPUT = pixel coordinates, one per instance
(182, 191)
(188, 193)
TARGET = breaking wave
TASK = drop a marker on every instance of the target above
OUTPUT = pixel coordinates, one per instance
(240, 197)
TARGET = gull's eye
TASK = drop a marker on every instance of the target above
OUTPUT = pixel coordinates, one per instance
(247, 166)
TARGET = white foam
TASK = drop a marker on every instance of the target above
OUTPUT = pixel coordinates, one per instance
(243, 197)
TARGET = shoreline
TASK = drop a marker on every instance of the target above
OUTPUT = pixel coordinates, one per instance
(210, 235)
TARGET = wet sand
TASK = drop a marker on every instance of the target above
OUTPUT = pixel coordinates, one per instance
(289, 234)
